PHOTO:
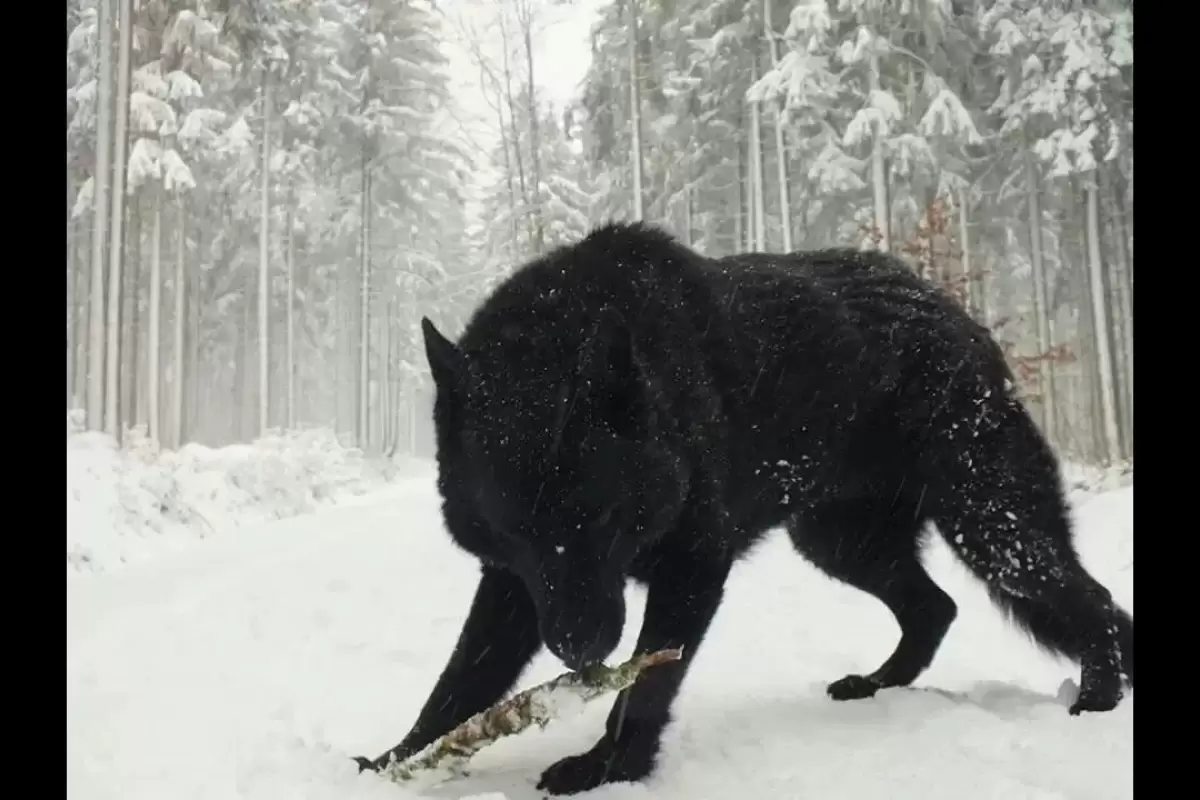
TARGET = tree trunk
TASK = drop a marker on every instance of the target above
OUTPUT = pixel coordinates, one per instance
(345, 382)
(248, 428)
(781, 158)
(687, 215)
(178, 320)
(1101, 313)
(192, 428)
(982, 286)
(101, 195)
(513, 250)
(131, 331)
(964, 230)
(534, 141)
(264, 268)
(152, 349)
(758, 192)
(1041, 309)
(800, 223)
(396, 375)
(878, 170)
(512, 117)
(72, 237)
(290, 317)
(635, 113)
(411, 418)
(1112, 291)
(364, 321)
(709, 225)
(1088, 344)
(112, 414)
(385, 374)
(383, 350)
(740, 220)
(1124, 288)
(82, 301)
(191, 395)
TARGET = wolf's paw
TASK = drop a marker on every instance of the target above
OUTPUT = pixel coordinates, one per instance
(365, 764)
(1097, 698)
(854, 687)
(600, 765)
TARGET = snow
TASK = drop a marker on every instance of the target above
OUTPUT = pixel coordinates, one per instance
(255, 664)
(134, 503)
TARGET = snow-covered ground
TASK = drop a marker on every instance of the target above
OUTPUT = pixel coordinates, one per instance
(135, 502)
(254, 664)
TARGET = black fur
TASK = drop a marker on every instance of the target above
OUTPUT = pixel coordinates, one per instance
(625, 408)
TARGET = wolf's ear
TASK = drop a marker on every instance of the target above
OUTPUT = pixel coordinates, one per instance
(446, 361)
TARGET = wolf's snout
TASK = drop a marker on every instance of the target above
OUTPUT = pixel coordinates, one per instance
(577, 652)
(584, 630)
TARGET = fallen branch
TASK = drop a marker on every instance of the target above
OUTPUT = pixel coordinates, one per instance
(537, 705)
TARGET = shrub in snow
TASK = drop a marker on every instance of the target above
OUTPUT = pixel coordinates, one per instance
(125, 502)
(1091, 479)
(75, 421)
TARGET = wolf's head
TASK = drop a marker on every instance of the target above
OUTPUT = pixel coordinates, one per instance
(557, 459)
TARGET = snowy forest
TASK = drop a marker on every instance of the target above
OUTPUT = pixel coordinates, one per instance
(264, 197)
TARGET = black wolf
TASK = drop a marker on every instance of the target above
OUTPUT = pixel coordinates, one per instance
(626, 408)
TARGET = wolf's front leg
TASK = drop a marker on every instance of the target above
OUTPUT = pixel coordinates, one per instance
(498, 640)
(685, 590)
